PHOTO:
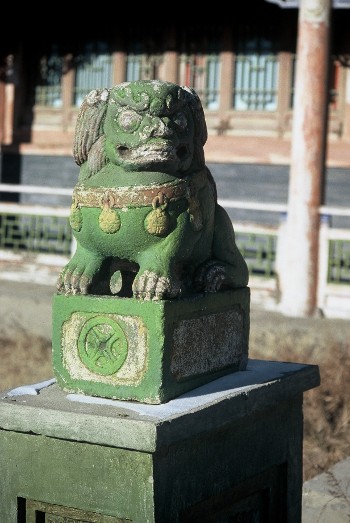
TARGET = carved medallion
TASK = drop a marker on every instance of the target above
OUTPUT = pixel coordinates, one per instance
(102, 345)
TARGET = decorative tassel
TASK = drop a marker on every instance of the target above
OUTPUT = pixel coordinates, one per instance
(75, 217)
(157, 222)
(109, 220)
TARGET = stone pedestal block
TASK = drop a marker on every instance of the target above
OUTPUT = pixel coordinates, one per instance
(230, 450)
(148, 351)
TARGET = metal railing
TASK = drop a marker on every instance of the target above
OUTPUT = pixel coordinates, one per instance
(35, 228)
(339, 260)
(46, 229)
(42, 229)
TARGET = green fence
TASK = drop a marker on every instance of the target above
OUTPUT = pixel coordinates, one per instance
(339, 261)
(259, 251)
(52, 234)
(35, 233)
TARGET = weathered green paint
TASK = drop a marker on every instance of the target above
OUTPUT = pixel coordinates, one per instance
(148, 351)
(108, 481)
(145, 204)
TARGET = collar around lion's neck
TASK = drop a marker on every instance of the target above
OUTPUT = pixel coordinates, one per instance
(139, 195)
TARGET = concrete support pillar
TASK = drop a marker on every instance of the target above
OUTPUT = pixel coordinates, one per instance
(310, 114)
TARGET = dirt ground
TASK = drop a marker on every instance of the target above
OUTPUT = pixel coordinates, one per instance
(25, 344)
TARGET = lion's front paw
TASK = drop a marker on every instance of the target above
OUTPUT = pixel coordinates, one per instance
(76, 277)
(209, 277)
(151, 286)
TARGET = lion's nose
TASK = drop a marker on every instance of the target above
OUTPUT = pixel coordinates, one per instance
(160, 129)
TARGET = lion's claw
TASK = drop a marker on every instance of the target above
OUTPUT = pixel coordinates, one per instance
(150, 286)
(209, 277)
(76, 277)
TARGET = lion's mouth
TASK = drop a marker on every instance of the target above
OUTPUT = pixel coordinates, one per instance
(154, 153)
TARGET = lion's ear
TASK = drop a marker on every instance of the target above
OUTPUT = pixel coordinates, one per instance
(89, 126)
(198, 114)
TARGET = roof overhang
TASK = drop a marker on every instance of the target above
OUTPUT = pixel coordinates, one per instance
(289, 4)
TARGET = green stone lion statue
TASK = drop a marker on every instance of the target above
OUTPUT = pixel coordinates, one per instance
(144, 212)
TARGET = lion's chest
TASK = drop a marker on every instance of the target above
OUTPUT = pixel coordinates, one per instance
(126, 232)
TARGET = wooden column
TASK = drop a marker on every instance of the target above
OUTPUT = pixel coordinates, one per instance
(171, 59)
(2, 106)
(170, 66)
(67, 91)
(119, 67)
(226, 75)
(8, 87)
(284, 92)
(346, 129)
(307, 170)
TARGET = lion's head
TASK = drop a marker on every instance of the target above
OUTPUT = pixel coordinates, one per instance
(146, 125)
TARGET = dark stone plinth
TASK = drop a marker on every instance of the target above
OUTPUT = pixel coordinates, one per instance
(227, 450)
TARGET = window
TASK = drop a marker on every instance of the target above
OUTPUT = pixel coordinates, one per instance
(93, 70)
(255, 76)
(143, 60)
(48, 83)
(199, 65)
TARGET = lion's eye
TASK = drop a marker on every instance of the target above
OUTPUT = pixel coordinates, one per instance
(180, 120)
(128, 120)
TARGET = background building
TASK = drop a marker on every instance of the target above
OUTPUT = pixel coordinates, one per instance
(242, 67)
